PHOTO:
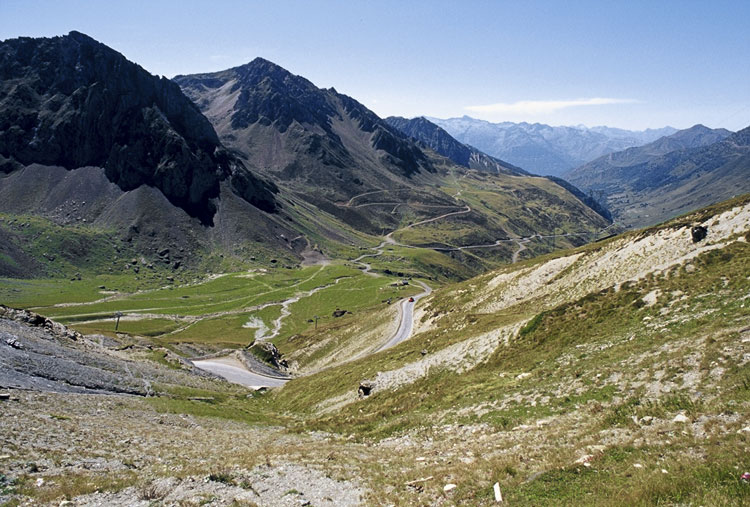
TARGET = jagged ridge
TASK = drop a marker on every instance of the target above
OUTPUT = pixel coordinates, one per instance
(71, 101)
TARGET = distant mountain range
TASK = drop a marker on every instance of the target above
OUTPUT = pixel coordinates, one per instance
(437, 139)
(247, 165)
(542, 149)
(690, 169)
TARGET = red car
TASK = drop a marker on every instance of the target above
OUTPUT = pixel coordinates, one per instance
(411, 300)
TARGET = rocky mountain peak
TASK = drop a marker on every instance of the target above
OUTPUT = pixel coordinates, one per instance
(260, 70)
(71, 101)
(264, 94)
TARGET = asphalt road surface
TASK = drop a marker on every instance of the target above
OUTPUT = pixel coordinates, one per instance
(407, 319)
(234, 371)
(239, 375)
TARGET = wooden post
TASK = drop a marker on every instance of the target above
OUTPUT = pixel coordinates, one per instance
(117, 323)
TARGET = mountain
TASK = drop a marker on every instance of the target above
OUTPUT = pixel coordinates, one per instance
(692, 168)
(327, 150)
(610, 169)
(102, 160)
(543, 149)
(322, 147)
(437, 139)
(253, 166)
(300, 134)
(73, 102)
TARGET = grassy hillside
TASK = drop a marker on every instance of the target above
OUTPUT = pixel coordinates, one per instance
(622, 360)
(227, 310)
(614, 373)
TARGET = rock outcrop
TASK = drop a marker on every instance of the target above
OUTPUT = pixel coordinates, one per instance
(73, 102)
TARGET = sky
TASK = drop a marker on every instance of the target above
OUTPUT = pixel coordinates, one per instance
(629, 64)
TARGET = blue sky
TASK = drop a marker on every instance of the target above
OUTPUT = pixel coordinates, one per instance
(630, 64)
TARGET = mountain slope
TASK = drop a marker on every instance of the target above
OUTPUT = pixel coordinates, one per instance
(611, 365)
(543, 149)
(695, 167)
(73, 102)
(592, 376)
(90, 140)
(443, 143)
(315, 134)
(331, 152)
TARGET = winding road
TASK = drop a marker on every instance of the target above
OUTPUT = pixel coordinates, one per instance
(406, 316)
(234, 371)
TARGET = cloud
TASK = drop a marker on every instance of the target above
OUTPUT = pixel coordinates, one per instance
(534, 107)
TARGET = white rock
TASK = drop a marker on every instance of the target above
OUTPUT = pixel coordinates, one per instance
(39, 482)
(449, 487)
(584, 459)
(637, 465)
(680, 418)
(498, 494)
(421, 458)
(522, 427)
(651, 297)
(664, 471)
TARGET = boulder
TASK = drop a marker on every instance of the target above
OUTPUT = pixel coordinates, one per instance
(698, 233)
(680, 418)
(267, 352)
(36, 320)
(365, 388)
(12, 341)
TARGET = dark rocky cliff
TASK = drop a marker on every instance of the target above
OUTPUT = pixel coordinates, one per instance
(71, 101)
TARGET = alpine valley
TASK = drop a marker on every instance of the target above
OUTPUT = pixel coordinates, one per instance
(238, 288)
